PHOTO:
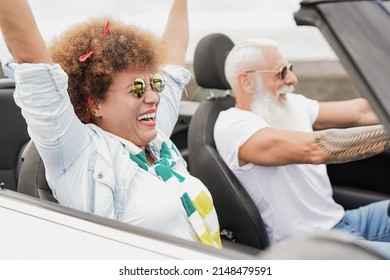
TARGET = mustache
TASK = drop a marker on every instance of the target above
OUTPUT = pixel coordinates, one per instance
(285, 89)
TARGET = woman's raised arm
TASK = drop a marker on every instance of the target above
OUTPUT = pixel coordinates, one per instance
(176, 33)
(21, 33)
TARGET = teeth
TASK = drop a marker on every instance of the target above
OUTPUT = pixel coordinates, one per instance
(146, 116)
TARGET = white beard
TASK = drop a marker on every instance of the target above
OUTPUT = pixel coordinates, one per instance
(276, 113)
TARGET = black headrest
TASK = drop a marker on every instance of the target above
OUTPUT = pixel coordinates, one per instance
(209, 61)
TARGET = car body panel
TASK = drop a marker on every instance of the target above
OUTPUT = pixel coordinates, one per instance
(36, 229)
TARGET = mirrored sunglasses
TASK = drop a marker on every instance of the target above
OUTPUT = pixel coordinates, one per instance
(281, 73)
(157, 84)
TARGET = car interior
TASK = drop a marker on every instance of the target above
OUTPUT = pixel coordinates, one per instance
(24, 176)
(13, 138)
(355, 184)
(32, 180)
(239, 218)
(360, 182)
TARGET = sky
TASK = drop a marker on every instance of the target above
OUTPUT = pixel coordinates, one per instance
(239, 19)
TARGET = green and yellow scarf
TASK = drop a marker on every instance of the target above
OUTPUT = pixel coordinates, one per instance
(197, 203)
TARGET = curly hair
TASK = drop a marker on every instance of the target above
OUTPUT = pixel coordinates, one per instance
(125, 47)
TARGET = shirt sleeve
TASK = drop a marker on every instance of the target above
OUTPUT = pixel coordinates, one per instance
(232, 129)
(176, 78)
(41, 93)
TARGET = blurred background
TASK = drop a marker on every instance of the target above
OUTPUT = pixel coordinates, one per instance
(317, 67)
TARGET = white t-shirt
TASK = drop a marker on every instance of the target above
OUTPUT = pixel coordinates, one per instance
(292, 199)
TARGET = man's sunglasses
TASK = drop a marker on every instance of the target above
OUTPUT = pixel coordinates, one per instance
(281, 73)
(157, 83)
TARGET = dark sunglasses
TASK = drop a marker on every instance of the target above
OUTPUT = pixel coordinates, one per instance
(157, 83)
(281, 73)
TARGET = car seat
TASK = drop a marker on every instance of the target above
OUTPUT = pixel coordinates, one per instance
(239, 218)
(32, 178)
(13, 137)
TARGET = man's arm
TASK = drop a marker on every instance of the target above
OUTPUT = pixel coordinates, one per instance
(355, 112)
(176, 33)
(274, 147)
(21, 33)
(343, 145)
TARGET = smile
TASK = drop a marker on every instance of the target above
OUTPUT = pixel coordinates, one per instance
(149, 118)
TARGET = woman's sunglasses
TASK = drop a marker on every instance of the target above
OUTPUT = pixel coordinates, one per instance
(281, 73)
(157, 83)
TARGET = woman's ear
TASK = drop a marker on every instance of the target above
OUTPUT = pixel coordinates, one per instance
(95, 108)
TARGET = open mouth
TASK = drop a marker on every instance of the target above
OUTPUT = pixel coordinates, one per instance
(147, 118)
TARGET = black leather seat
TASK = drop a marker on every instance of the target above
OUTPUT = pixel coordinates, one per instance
(239, 218)
(32, 179)
(21, 167)
(14, 136)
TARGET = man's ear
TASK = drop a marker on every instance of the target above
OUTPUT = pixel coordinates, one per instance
(246, 83)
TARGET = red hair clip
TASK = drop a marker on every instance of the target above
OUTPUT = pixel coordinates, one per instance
(107, 29)
(106, 32)
(84, 57)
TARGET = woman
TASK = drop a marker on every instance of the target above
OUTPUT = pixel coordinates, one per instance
(107, 154)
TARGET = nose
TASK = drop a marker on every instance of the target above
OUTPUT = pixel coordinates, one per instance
(151, 96)
(290, 78)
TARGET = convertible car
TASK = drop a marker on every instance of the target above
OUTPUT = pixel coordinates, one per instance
(35, 226)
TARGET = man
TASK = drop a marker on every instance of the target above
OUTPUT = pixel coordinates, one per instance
(277, 144)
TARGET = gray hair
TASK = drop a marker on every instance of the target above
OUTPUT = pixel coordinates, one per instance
(246, 55)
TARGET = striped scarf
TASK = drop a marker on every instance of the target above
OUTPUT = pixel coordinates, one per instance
(196, 202)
